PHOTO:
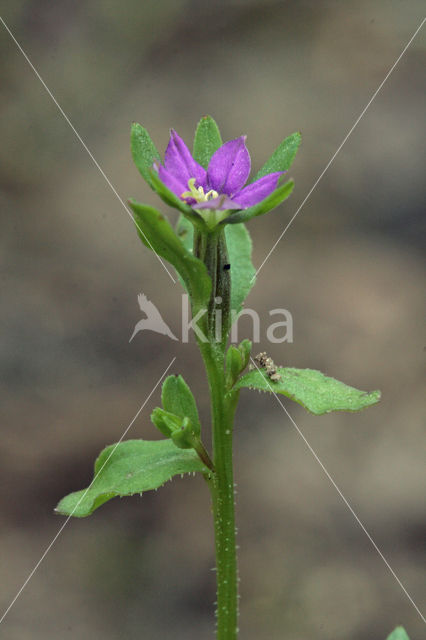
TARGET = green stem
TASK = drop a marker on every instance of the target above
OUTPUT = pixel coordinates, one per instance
(222, 491)
(211, 249)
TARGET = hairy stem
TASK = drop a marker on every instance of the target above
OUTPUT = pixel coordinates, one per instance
(222, 491)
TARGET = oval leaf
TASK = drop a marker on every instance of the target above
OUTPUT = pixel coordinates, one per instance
(130, 467)
(312, 389)
(177, 398)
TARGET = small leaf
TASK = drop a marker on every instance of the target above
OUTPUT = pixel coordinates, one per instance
(143, 151)
(398, 634)
(186, 437)
(158, 235)
(312, 389)
(165, 421)
(234, 365)
(245, 350)
(273, 200)
(239, 246)
(130, 467)
(177, 398)
(207, 140)
(283, 156)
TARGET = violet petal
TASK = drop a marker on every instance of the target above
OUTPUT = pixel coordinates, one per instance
(257, 191)
(180, 163)
(221, 203)
(174, 184)
(229, 167)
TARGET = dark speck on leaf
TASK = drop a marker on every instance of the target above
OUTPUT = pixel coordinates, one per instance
(226, 267)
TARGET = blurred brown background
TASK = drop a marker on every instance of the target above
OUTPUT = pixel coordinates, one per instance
(349, 269)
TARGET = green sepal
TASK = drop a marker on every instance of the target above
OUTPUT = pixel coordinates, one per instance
(234, 365)
(165, 421)
(398, 634)
(130, 467)
(239, 247)
(177, 399)
(158, 235)
(273, 200)
(144, 151)
(283, 156)
(312, 389)
(207, 140)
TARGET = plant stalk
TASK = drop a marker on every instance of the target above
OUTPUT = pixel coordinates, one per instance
(211, 249)
(222, 492)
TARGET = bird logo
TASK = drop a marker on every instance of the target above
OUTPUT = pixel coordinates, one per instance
(153, 320)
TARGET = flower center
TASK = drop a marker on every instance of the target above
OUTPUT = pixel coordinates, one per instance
(197, 193)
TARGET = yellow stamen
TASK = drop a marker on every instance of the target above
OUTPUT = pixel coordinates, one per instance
(198, 193)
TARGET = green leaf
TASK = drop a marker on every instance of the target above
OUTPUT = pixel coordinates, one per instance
(312, 389)
(234, 365)
(158, 235)
(245, 349)
(185, 232)
(143, 151)
(207, 140)
(398, 634)
(186, 437)
(130, 467)
(239, 247)
(272, 201)
(165, 421)
(177, 398)
(283, 156)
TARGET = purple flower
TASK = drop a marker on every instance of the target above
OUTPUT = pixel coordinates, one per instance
(219, 188)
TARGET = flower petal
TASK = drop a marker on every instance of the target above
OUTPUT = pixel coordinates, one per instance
(257, 191)
(229, 167)
(180, 163)
(174, 184)
(221, 203)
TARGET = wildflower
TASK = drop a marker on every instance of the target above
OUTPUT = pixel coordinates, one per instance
(221, 186)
